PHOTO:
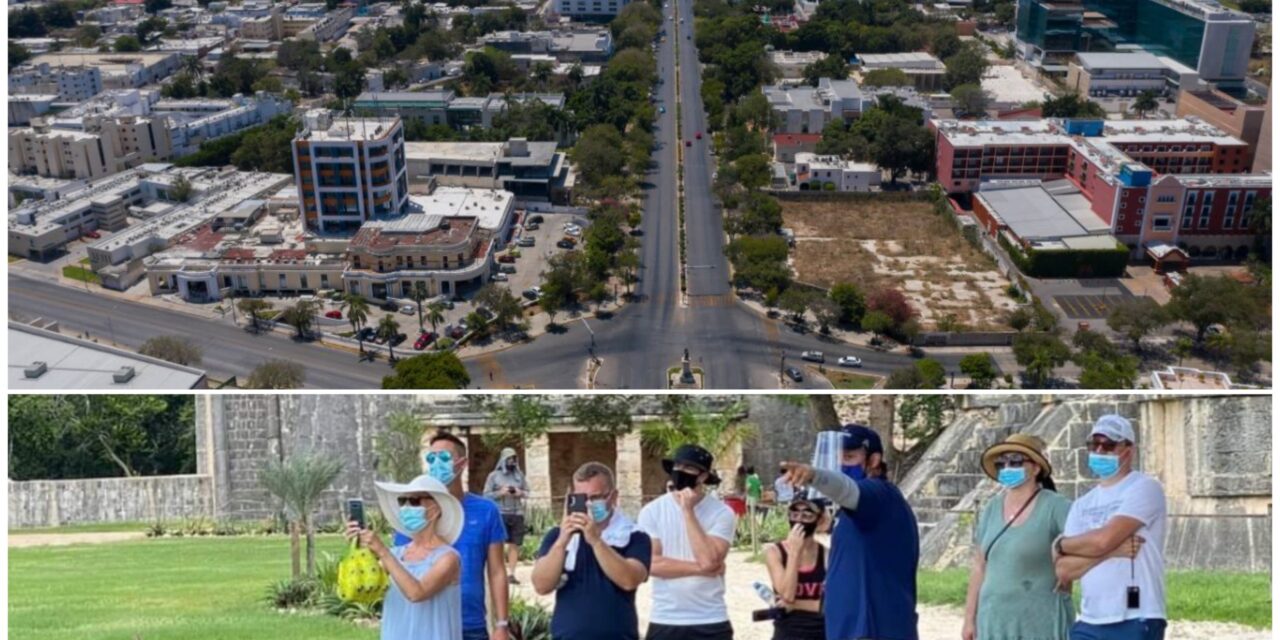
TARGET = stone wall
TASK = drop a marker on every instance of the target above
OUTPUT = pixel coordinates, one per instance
(53, 503)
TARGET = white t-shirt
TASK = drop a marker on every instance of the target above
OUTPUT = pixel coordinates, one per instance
(784, 491)
(694, 599)
(1105, 587)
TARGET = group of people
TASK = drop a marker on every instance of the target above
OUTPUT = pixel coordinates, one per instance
(1030, 545)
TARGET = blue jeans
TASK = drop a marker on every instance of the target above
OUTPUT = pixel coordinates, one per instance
(1127, 630)
(475, 634)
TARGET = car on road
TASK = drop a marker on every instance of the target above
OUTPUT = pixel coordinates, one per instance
(532, 293)
(526, 241)
(662, 109)
(688, 143)
(423, 340)
(849, 361)
(813, 356)
(499, 277)
(92, 234)
(335, 314)
(566, 243)
(408, 309)
(795, 374)
(688, 37)
(697, 136)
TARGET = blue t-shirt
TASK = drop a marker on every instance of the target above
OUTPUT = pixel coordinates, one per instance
(589, 605)
(871, 584)
(481, 527)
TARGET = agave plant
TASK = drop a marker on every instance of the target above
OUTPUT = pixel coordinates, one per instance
(530, 621)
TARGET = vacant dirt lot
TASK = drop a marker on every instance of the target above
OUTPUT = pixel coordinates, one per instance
(902, 245)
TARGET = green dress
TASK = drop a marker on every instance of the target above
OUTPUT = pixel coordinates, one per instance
(1017, 600)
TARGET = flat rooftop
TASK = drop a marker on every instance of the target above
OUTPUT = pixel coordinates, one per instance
(105, 62)
(74, 364)
(1120, 60)
(538, 154)
(348, 129)
(1051, 211)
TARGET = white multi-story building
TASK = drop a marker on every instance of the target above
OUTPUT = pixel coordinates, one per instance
(69, 83)
(349, 170)
(590, 8)
(846, 175)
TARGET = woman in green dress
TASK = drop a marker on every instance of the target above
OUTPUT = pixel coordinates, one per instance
(1013, 591)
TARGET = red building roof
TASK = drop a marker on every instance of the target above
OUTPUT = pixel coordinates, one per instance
(787, 139)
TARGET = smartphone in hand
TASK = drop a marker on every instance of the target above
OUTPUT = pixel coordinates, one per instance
(355, 511)
(577, 503)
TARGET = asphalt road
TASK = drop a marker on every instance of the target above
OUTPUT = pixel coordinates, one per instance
(735, 347)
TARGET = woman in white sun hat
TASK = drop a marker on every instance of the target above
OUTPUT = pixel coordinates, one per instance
(424, 600)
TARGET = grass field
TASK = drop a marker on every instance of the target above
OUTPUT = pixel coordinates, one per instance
(101, 527)
(1243, 598)
(903, 245)
(80, 273)
(845, 380)
(172, 589)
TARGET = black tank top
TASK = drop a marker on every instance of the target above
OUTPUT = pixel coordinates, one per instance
(809, 584)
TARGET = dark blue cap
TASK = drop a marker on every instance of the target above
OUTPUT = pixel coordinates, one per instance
(857, 436)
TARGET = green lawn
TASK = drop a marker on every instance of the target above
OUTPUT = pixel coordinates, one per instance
(1243, 598)
(844, 380)
(84, 261)
(99, 527)
(171, 589)
(80, 273)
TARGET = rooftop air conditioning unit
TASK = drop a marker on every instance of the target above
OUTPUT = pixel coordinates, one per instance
(124, 375)
(35, 369)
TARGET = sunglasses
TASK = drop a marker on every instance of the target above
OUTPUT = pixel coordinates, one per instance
(1013, 461)
(803, 515)
(1101, 445)
(412, 501)
(442, 456)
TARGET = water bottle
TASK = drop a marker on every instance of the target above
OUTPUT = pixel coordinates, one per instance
(765, 592)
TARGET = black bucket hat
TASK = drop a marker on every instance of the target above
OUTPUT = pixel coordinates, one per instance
(692, 454)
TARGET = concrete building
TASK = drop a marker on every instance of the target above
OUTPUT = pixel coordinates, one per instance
(446, 243)
(925, 71)
(530, 170)
(117, 70)
(114, 146)
(1234, 117)
(23, 108)
(787, 145)
(349, 170)
(444, 107)
(1262, 158)
(580, 46)
(41, 359)
(590, 9)
(791, 64)
(1127, 74)
(70, 83)
(805, 109)
(1052, 215)
(814, 172)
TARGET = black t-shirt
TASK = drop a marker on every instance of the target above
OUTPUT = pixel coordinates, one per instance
(589, 605)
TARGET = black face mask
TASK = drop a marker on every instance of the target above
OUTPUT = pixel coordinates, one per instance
(681, 480)
(809, 527)
(511, 465)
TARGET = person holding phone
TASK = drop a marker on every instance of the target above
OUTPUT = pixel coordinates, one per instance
(875, 548)
(424, 599)
(1122, 596)
(507, 487)
(691, 531)
(594, 562)
(1013, 592)
(798, 570)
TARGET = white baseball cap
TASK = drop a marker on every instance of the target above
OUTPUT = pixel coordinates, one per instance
(1114, 427)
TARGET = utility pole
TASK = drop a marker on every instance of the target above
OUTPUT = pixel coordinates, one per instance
(782, 367)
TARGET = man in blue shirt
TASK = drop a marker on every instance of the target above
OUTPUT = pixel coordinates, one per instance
(479, 544)
(594, 562)
(875, 548)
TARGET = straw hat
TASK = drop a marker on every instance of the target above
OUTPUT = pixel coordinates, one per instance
(1028, 445)
(449, 525)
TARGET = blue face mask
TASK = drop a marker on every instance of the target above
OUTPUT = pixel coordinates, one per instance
(1011, 477)
(854, 471)
(1104, 466)
(599, 510)
(440, 466)
(414, 519)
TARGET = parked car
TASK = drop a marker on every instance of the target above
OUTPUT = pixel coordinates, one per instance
(526, 241)
(531, 226)
(506, 258)
(335, 314)
(849, 361)
(92, 234)
(795, 374)
(457, 332)
(408, 309)
(506, 268)
(499, 277)
(536, 218)
(366, 334)
(398, 338)
(389, 305)
(813, 356)
(574, 231)
(566, 243)
(532, 293)
(424, 339)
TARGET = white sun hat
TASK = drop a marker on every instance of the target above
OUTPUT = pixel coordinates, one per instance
(450, 524)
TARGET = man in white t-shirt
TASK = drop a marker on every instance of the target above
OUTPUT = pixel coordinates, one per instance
(1113, 543)
(691, 531)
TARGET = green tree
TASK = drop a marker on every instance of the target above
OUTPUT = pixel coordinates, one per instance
(849, 300)
(796, 302)
(970, 100)
(175, 349)
(418, 294)
(127, 44)
(832, 66)
(1070, 105)
(966, 66)
(1204, 301)
(1145, 103)
(886, 78)
(932, 373)
(755, 171)
(435, 315)
(301, 316)
(980, 368)
(398, 447)
(1020, 319)
(1135, 318)
(18, 54)
(26, 23)
(1039, 354)
(718, 431)
(357, 309)
(440, 370)
(277, 374)
(903, 146)
(1182, 347)
(878, 323)
(255, 308)
(1101, 372)
(181, 189)
(298, 482)
(389, 328)
(504, 306)
(596, 154)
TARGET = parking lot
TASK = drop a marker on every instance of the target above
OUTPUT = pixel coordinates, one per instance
(1088, 306)
(532, 261)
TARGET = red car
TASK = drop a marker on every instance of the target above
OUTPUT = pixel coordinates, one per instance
(688, 143)
(507, 258)
(423, 340)
(335, 314)
(92, 234)
(698, 135)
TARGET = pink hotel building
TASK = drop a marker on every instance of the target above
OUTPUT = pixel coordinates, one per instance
(1180, 182)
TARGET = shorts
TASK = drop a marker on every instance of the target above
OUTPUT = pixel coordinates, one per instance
(514, 524)
(714, 631)
(1127, 630)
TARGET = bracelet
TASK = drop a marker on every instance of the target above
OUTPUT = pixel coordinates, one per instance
(501, 624)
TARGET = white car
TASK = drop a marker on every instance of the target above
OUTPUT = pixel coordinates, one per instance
(574, 231)
(849, 361)
(408, 309)
(812, 356)
(499, 277)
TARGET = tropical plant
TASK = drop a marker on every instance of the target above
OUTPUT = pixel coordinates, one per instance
(298, 482)
(398, 447)
(719, 431)
(388, 328)
(419, 293)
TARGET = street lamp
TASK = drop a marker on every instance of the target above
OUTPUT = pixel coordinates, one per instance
(782, 367)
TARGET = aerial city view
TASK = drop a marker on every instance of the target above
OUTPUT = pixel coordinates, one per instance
(656, 194)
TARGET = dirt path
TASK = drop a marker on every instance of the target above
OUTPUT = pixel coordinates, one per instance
(62, 539)
(936, 622)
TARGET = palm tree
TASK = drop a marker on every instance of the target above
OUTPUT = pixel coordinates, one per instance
(718, 432)
(1145, 103)
(388, 328)
(298, 482)
(435, 315)
(253, 307)
(357, 309)
(417, 294)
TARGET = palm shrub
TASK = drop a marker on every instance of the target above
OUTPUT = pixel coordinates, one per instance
(298, 482)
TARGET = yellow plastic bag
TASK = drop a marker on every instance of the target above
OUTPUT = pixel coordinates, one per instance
(360, 578)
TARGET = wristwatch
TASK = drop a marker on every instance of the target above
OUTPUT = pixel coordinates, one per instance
(501, 624)
(1057, 545)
